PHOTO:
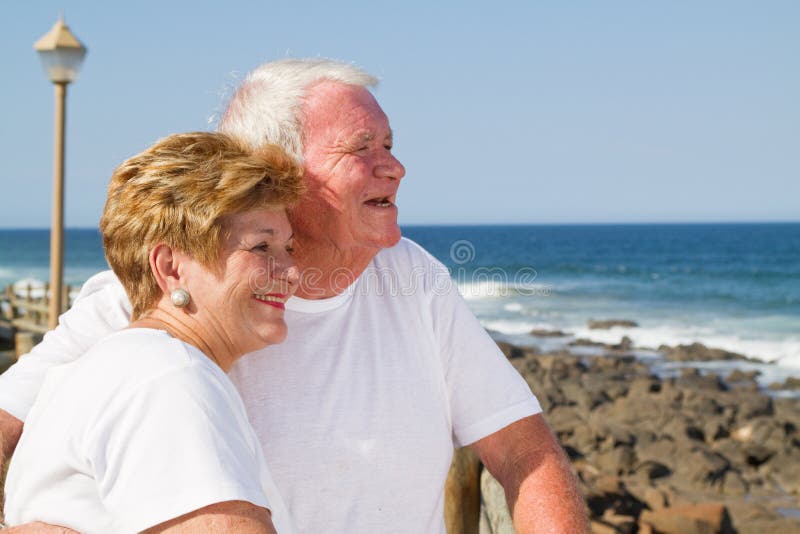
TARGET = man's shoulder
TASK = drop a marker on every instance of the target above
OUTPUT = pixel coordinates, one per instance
(408, 269)
(101, 307)
(406, 252)
(105, 282)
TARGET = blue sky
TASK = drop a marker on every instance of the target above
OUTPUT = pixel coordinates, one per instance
(515, 112)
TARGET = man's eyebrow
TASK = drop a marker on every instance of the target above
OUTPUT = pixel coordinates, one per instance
(265, 231)
(365, 135)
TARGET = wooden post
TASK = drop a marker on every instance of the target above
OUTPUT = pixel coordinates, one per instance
(57, 224)
(23, 343)
(462, 501)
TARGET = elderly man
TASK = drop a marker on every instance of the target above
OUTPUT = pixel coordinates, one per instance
(385, 370)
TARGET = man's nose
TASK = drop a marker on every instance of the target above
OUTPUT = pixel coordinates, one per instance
(390, 167)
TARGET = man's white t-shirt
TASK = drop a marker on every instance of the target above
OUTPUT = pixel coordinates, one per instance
(141, 429)
(359, 409)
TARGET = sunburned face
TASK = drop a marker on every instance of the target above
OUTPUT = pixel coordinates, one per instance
(350, 173)
(244, 300)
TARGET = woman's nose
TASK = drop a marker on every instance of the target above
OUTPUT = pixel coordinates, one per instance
(291, 274)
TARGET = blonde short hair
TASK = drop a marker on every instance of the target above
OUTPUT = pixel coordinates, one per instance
(176, 192)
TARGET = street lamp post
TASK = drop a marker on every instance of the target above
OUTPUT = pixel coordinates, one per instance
(61, 54)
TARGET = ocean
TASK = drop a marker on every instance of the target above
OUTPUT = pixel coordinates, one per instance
(731, 286)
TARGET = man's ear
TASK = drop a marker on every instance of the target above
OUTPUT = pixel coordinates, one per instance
(165, 263)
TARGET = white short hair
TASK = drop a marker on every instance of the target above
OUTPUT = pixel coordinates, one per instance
(266, 108)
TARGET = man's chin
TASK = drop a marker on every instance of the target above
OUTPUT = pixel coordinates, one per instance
(391, 238)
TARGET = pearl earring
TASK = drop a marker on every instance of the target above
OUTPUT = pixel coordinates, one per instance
(179, 297)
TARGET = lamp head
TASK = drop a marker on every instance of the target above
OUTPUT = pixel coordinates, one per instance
(61, 53)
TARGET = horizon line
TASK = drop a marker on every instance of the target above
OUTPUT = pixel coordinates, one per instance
(453, 224)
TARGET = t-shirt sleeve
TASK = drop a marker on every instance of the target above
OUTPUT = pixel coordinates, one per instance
(177, 444)
(101, 308)
(485, 392)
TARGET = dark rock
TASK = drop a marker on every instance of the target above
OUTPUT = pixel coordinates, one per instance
(621, 523)
(757, 454)
(715, 429)
(598, 526)
(708, 518)
(667, 442)
(612, 435)
(539, 332)
(697, 352)
(606, 493)
(560, 366)
(703, 466)
(617, 461)
(510, 351)
(746, 386)
(734, 484)
(582, 397)
(654, 498)
(644, 386)
(702, 397)
(788, 411)
(754, 518)
(731, 449)
(790, 383)
(753, 406)
(680, 429)
(610, 323)
(625, 344)
(582, 439)
(585, 343)
(695, 432)
(785, 471)
(565, 419)
(653, 469)
(738, 375)
(692, 378)
(572, 453)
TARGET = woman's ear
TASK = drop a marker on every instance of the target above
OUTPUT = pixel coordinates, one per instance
(165, 263)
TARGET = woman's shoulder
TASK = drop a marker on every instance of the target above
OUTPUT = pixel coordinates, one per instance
(139, 355)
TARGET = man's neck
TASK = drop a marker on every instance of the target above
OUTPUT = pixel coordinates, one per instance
(327, 270)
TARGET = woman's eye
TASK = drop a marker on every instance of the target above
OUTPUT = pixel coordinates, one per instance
(290, 250)
(263, 247)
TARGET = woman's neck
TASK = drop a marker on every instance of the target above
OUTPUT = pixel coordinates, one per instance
(181, 326)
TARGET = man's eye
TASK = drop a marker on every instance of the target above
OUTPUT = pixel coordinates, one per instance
(290, 250)
(263, 247)
(388, 147)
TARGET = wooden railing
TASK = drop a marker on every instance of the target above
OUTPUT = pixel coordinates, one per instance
(26, 309)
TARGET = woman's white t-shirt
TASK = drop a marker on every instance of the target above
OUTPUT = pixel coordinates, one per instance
(142, 429)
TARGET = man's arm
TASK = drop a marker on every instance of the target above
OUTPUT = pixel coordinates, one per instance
(234, 517)
(541, 491)
(38, 528)
(101, 308)
(231, 517)
(10, 430)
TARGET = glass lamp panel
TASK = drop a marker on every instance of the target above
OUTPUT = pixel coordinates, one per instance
(62, 64)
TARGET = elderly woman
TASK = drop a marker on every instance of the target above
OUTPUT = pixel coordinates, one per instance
(146, 431)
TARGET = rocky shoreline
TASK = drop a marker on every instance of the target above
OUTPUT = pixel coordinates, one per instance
(694, 453)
